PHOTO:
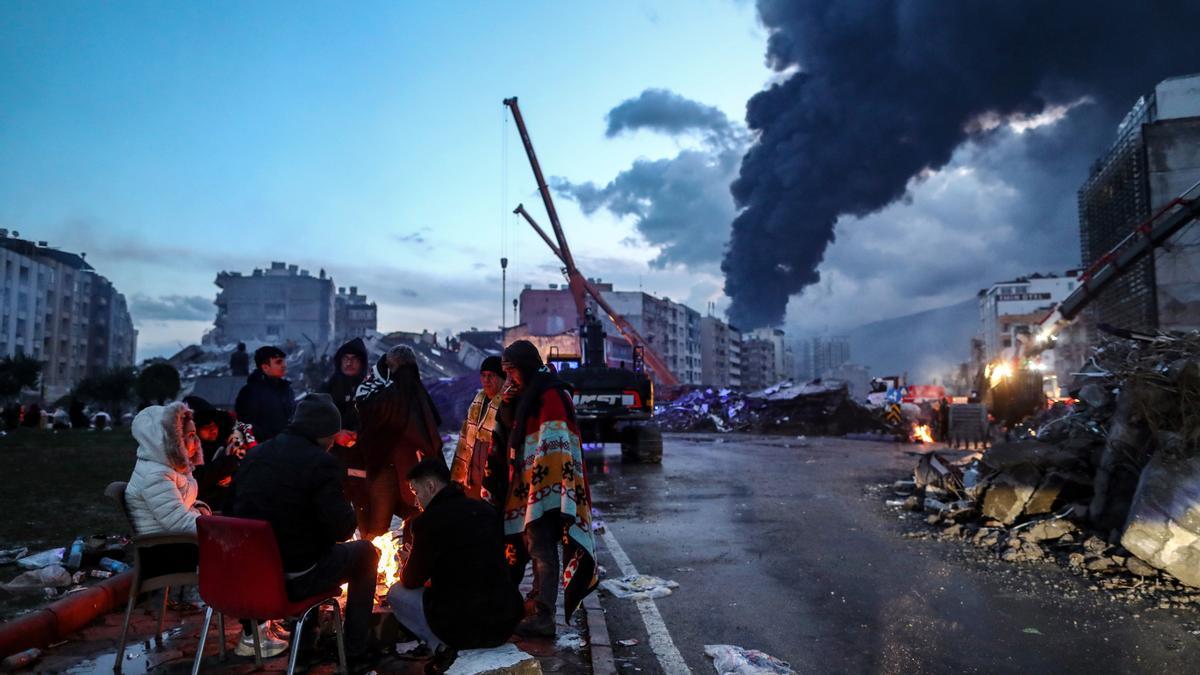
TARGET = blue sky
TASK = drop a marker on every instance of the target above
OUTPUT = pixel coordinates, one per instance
(172, 140)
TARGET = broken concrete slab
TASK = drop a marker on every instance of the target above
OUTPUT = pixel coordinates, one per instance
(1003, 456)
(1008, 493)
(1048, 530)
(1163, 528)
(507, 659)
(1046, 495)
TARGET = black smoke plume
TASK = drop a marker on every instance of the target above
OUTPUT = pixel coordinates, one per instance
(874, 93)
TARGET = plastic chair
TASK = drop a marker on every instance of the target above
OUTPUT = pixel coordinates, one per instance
(241, 574)
(156, 565)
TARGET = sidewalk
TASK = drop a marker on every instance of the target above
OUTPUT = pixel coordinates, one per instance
(93, 649)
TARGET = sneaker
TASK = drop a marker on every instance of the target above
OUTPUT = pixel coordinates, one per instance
(271, 646)
(537, 626)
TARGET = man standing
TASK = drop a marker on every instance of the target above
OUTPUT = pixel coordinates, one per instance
(350, 369)
(475, 439)
(548, 501)
(455, 592)
(266, 401)
(239, 361)
(294, 483)
(398, 425)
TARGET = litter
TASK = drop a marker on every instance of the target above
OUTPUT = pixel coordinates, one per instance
(9, 556)
(505, 658)
(1032, 631)
(53, 556)
(639, 587)
(733, 660)
(53, 576)
(570, 640)
(628, 643)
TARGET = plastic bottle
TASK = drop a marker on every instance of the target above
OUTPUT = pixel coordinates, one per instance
(114, 566)
(74, 557)
(21, 659)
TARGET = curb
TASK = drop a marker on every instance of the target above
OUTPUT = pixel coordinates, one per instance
(601, 646)
(64, 617)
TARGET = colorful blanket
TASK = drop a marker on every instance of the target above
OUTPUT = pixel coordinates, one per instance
(474, 444)
(548, 477)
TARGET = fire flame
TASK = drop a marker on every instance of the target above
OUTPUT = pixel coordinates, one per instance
(921, 433)
(998, 372)
(389, 558)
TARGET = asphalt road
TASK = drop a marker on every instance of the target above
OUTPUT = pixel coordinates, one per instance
(783, 550)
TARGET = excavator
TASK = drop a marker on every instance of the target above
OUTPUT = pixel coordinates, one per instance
(613, 405)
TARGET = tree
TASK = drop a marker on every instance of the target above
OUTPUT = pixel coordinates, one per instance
(109, 389)
(17, 373)
(157, 383)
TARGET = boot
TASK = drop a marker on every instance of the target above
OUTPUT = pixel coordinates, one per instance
(540, 625)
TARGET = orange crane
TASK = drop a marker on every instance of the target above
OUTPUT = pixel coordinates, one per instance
(578, 284)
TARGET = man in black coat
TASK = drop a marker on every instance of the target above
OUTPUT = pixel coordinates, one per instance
(239, 361)
(455, 592)
(266, 401)
(294, 483)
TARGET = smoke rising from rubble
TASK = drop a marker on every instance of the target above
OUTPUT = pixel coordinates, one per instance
(878, 94)
(680, 204)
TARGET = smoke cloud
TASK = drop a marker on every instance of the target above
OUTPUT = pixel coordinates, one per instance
(876, 95)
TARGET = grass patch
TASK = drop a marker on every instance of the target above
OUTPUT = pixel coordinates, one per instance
(54, 485)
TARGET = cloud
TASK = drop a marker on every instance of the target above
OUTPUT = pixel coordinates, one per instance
(171, 307)
(410, 238)
(681, 204)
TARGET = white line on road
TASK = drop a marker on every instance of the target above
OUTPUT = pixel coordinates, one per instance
(660, 638)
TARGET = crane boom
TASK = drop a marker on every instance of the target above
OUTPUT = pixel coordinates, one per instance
(577, 283)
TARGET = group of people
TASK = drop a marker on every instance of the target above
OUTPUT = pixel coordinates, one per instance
(366, 448)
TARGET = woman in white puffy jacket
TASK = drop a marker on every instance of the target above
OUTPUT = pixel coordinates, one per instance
(161, 494)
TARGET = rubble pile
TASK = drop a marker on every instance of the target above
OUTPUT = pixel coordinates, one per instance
(814, 408)
(1110, 487)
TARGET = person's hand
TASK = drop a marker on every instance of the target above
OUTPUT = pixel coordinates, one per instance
(508, 393)
(346, 438)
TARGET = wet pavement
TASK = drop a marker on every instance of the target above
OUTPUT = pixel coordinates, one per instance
(778, 546)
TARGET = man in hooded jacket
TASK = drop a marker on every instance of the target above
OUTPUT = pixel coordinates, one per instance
(398, 425)
(548, 501)
(350, 369)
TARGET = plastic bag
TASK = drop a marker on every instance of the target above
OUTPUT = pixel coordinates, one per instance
(734, 660)
(53, 556)
(53, 576)
(639, 587)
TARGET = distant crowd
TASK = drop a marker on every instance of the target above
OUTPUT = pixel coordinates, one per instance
(333, 469)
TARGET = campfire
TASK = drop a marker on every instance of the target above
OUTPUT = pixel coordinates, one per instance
(388, 572)
(922, 433)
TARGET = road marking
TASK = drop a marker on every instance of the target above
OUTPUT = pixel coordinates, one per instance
(660, 638)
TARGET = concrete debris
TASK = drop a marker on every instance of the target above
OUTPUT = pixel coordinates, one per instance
(507, 659)
(1163, 527)
(812, 409)
(639, 587)
(733, 660)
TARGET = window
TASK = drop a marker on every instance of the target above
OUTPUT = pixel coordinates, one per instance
(274, 330)
(274, 310)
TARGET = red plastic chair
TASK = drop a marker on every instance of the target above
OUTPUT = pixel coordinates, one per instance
(241, 574)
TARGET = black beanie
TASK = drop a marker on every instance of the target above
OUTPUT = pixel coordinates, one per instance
(492, 364)
(316, 417)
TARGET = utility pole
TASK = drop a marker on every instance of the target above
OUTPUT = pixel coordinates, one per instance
(503, 291)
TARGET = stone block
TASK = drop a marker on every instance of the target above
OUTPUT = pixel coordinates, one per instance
(1009, 492)
(1163, 527)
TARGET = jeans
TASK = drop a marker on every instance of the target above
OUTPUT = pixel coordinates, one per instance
(409, 606)
(353, 562)
(542, 540)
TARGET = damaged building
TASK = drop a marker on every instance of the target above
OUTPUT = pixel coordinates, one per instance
(1154, 159)
(284, 304)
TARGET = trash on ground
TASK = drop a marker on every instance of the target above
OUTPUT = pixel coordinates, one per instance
(733, 660)
(9, 556)
(53, 576)
(639, 587)
(41, 559)
(628, 643)
(570, 640)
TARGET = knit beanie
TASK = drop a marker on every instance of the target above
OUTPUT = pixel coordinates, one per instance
(492, 364)
(316, 417)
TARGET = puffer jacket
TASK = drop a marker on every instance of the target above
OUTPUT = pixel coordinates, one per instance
(161, 494)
